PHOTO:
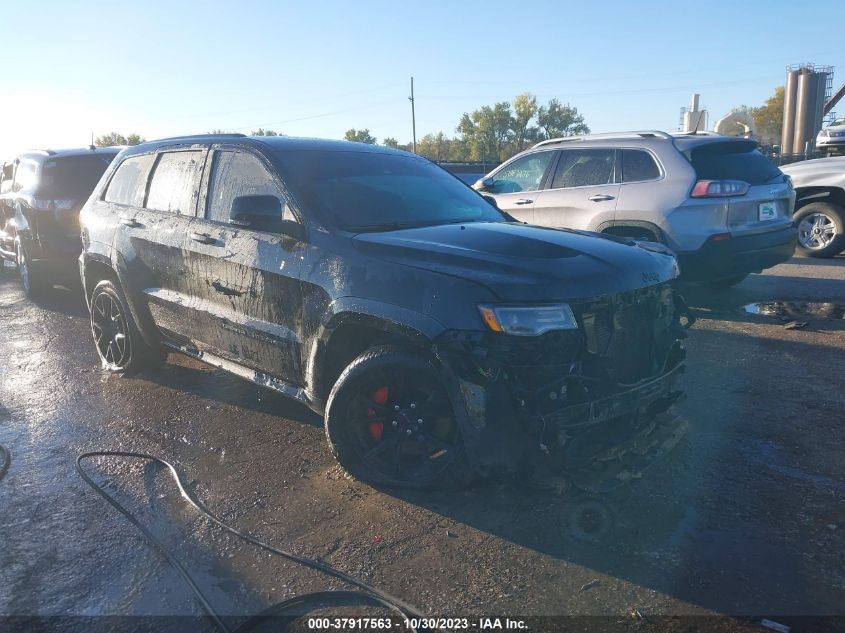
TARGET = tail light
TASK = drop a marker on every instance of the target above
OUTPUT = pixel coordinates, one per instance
(719, 188)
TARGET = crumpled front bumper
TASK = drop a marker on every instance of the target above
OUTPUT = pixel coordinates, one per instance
(597, 445)
(642, 397)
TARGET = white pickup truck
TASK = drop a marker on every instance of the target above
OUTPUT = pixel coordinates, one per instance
(819, 205)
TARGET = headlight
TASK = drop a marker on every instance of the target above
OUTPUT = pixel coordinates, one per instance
(528, 320)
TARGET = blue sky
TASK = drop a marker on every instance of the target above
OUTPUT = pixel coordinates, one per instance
(318, 68)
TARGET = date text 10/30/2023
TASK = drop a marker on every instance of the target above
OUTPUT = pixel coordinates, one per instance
(436, 624)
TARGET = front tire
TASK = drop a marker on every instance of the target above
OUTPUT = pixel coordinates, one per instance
(727, 282)
(116, 337)
(821, 229)
(391, 421)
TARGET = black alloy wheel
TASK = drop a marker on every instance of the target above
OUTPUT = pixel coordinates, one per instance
(390, 421)
(109, 326)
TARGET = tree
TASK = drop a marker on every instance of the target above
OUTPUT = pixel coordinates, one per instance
(436, 147)
(524, 110)
(556, 120)
(769, 117)
(113, 138)
(487, 131)
(390, 142)
(360, 136)
(262, 132)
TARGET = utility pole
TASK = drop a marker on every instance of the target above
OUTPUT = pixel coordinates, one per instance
(413, 116)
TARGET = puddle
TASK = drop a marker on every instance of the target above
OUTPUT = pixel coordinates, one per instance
(797, 309)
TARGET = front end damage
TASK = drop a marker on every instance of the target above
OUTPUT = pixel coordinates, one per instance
(592, 405)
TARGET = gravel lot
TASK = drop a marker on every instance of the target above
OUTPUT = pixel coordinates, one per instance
(746, 517)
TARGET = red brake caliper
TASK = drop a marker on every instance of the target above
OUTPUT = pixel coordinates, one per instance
(377, 426)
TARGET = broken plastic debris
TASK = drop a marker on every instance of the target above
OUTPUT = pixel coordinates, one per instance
(595, 582)
(775, 626)
(795, 325)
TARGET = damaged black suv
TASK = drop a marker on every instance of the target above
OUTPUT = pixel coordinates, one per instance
(439, 338)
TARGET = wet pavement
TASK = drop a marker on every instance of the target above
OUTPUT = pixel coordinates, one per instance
(746, 517)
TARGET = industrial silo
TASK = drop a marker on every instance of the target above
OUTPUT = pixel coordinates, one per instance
(787, 136)
(803, 112)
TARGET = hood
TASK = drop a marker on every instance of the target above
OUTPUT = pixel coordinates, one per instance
(821, 171)
(833, 128)
(518, 262)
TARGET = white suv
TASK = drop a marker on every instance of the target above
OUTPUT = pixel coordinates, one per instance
(723, 207)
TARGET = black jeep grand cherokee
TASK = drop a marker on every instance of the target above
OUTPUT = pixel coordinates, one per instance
(439, 338)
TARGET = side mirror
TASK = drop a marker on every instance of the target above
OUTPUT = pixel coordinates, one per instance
(293, 229)
(262, 213)
(490, 200)
(483, 184)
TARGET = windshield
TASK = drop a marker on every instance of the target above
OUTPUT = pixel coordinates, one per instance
(369, 191)
(75, 176)
(837, 122)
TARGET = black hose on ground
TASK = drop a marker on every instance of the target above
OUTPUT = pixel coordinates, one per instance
(297, 606)
(5, 460)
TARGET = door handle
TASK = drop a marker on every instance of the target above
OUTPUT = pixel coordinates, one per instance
(203, 238)
(601, 197)
(130, 222)
(523, 201)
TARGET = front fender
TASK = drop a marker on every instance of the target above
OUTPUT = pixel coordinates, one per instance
(395, 320)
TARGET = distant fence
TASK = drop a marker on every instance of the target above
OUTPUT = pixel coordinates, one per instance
(465, 167)
(786, 159)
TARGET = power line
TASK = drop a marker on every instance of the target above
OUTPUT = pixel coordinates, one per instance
(317, 116)
(614, 92)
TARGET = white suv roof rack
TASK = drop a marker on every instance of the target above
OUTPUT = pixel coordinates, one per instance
(608, 135)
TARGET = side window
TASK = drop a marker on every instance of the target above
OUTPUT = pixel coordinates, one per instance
(7, 177)
(129, 182)
(175, 182)
(638, 165)
(25, 175)
(584, 168)
(523, 174)
(238, 174)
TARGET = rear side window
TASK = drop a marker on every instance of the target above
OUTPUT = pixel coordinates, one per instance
(237, 174)
(733, 161)
(638, 165)
(175, 182)
(584, 168)
(129, 182)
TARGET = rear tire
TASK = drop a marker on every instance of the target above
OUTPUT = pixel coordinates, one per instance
(116, 337)
(821, 229)
(391, 421)
(32, 280)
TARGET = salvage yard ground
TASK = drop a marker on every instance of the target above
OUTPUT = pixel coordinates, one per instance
(746, 517)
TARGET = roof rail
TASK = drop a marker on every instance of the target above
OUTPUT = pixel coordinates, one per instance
(607, 135)
(699, 133)
(46, 152)
(188, 136)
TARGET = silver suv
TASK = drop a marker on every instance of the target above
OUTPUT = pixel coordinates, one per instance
(723, 207)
